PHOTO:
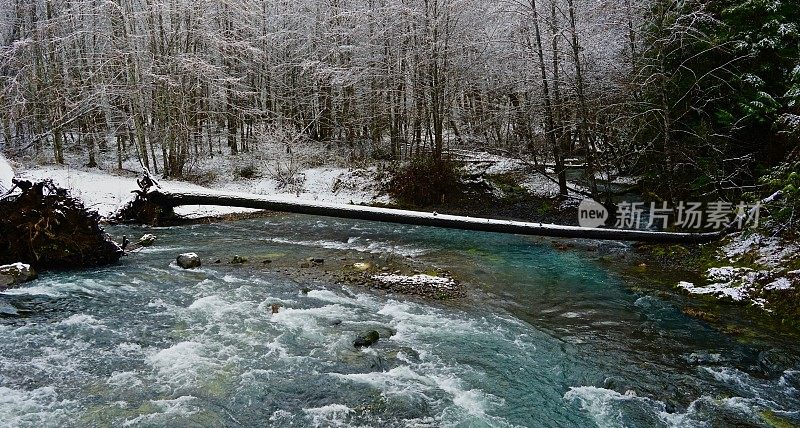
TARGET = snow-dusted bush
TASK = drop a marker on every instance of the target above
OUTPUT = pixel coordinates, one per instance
(288, 155)
(785, 178)
(425, 181)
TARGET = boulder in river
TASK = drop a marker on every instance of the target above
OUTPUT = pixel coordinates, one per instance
(367, 338)
(774, 362)
(189, 260)
(15, 273)
(147, 240)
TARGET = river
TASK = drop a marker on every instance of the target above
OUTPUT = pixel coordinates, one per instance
(543, 338)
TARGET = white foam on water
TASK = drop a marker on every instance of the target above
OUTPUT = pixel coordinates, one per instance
(571, 315)
(311, 323)
(253, 376)
(406, 380)
(331, 415)
(608, 408)
(374, 247)
(64, 357)
(281, 416)
(307, 318)
(412, 321)
(208, 304)
(602, 404)
(184, 364)
(473, 401)
(276, 348)
(124, 380)
(731, 376)
(38, 407)
(788, 379)
(361, 300)
(82, 320)
(39, 290)
(156, 249)
(159, 303)
(168, 412)
(60, 288)
(218, 313)
(398, 380)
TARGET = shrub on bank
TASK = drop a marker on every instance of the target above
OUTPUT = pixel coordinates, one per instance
(425, 181)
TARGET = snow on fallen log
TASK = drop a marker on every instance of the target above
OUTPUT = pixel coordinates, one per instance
(418, 218)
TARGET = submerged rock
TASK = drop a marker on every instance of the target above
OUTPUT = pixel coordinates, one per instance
(7, 309)
(367, 338)
(189, 261)
(385, 332)
(361, 266)
(17, 273)
(774, 362)
(238, 260)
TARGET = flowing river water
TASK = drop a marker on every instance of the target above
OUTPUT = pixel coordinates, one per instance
(543, 338)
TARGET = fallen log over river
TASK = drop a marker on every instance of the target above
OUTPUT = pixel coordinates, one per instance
(418, 218)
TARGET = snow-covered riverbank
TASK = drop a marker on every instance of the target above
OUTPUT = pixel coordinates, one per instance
(752, 269)
(107, 192)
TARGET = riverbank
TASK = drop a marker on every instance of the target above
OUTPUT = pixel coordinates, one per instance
(747, 274)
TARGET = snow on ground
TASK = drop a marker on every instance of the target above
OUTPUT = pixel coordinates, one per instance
(323, 184)
(627, 181)
(540, 186)
(730, 282)
(6, 174)
(107, 193)
(769, 251)
(420, 279)
(505, 166)
(779, 284)
(768, 278)
(737, 294)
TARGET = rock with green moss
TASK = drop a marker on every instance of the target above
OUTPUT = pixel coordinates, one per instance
(367, 338)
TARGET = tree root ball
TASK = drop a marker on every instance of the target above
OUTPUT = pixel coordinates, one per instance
(47, 228)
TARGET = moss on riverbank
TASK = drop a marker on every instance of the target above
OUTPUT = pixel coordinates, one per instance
(735, 267)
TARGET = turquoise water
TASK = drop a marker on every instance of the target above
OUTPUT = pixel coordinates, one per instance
(544, 338)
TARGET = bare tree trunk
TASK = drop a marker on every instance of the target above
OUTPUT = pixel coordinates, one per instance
(583, 126)
(558, 125)
(548, 106)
